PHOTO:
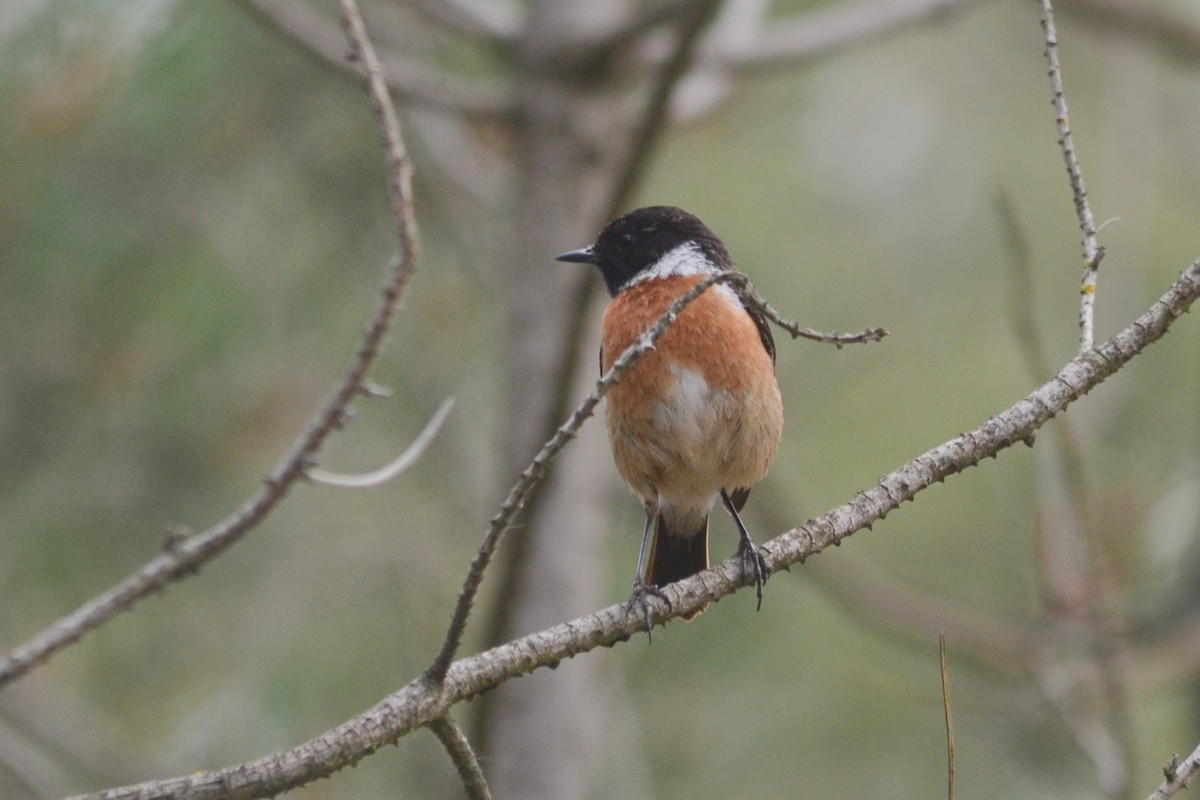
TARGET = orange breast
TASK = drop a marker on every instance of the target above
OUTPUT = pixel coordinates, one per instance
(702, 409)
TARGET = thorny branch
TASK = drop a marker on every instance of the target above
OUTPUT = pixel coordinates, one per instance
(184, 555)
(1178, 776)
(1092, 252)
(463, 756)
(420, 702)
(752, 297)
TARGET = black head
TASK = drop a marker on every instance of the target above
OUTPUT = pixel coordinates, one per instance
(636, 242)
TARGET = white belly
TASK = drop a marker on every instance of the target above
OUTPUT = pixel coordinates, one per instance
(710, 443)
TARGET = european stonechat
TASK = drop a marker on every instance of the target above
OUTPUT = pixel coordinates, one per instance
(697, 417)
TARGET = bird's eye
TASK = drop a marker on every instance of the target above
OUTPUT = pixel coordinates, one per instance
(624, 242)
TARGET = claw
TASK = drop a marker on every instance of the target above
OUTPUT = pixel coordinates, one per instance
(641, 591)
(746, 548)
(748, 551)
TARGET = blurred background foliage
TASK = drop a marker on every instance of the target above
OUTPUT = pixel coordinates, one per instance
(193, 224)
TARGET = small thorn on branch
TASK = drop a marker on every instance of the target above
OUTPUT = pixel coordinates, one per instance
(1171, 770)
(176, 535)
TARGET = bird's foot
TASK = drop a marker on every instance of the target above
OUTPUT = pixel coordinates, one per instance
(758, 565)
(642, 591)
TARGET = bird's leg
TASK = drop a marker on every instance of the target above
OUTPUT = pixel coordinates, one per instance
(641, 589)
(747, 550)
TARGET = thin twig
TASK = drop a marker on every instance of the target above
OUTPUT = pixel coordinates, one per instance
(463, 756)
(1178, 775)
(749, 295)
(949, 717)
(420, 702)
(536, 471)
(386, 473)
(184, 555)
(1092, 252)
(398, 166)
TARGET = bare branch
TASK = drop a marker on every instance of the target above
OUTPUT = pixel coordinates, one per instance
(816, 34)
(1177, 775)
(422, 701)
(184, 555)
(749, 295)
(398, 166)
(386, 473)
(1092, 252)
(411, 79)
(463, 756)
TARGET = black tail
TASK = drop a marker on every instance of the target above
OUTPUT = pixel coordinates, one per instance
(675, 554)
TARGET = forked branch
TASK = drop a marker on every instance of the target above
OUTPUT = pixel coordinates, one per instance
(184, 555)
(422, 701)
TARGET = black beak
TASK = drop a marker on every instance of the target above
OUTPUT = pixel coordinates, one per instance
(584, 256)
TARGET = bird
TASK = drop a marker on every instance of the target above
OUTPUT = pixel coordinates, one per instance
(697, 417)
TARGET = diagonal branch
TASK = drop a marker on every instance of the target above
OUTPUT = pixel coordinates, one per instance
(398, 166)
(752, 297)
(463, 756)
(1178, 776)
(421, 701)
(184, 555)
(1092, 252)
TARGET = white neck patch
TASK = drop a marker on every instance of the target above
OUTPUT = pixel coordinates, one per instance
(685, 261)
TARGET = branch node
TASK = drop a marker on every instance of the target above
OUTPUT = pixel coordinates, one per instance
(174, 538)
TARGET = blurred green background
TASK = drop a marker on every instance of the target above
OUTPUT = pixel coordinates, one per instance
(193, 226)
